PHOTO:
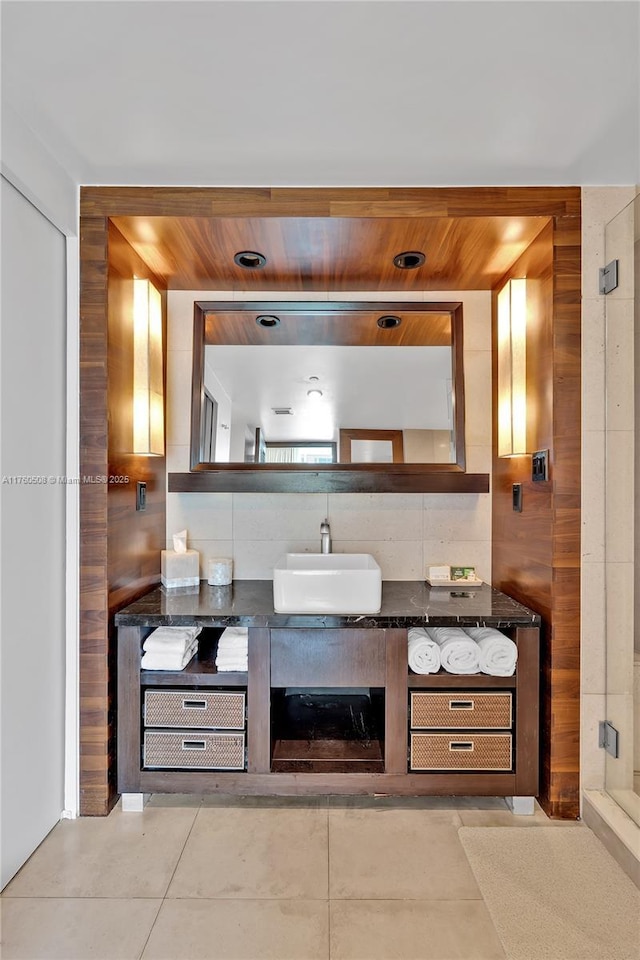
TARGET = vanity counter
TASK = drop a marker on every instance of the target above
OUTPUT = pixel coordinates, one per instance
(326, 704)
(249, 603)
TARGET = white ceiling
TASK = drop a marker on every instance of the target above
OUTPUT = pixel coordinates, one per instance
(328, 93)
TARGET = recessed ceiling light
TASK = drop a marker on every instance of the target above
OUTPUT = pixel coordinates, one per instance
(264, 320)
(409, 260)
(249, 259)
(314, 394)
(388, 322)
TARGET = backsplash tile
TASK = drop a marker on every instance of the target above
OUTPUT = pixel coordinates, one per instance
(278, 516)
(205, 516)
(398, 559)
(456, 516)
(375, 516)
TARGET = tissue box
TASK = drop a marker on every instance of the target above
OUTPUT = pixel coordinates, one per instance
(180, 569)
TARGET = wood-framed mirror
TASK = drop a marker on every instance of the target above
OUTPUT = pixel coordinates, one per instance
(373, 366)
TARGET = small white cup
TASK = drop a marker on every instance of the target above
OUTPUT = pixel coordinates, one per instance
(220, 571)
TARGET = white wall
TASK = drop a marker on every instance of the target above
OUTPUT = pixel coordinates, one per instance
(33, 412)
(404, 532)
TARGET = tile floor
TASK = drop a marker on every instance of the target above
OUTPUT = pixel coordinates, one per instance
(259, 879)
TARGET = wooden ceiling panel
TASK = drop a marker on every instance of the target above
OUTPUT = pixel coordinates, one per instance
(329, 253)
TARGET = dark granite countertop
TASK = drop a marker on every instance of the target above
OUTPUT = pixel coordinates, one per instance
(249, 603)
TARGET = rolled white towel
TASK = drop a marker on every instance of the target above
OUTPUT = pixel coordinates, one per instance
(171, 639)
(459, 653)
(424, 653)
(498, 653)
(168, 661)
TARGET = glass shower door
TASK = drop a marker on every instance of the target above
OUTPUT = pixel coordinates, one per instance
(622, 511)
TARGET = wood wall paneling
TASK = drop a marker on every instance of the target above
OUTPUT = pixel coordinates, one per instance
(536, 553)
(119, 549)
(548, 585)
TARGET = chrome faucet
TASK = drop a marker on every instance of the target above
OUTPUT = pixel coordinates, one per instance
(325, 537)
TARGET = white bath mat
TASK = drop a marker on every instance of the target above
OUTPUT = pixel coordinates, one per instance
(554, 893)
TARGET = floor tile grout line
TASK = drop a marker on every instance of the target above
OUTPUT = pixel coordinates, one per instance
(193, 823)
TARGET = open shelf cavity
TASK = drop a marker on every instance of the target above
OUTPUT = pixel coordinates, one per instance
(327, 730)
(201, 671)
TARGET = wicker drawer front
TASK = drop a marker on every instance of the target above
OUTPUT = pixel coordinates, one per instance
(187, 750)
(457, 710)
(197, 709)
(460, 751)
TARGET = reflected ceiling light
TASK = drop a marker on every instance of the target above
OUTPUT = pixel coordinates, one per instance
(314, 394)
(148, 391)
(389, 322)
(265, 320)
(249, 259)
(409, 260)
(512, 369)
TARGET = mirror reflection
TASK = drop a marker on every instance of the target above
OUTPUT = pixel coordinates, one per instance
(322, 383)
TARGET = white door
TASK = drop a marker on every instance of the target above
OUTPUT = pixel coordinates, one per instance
(32, 504)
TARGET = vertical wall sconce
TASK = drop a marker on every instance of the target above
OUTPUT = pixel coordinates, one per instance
(148, 406)
(512, 369)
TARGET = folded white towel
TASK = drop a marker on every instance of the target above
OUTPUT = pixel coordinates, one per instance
(237, 644)
(168, 661)
(170, 639)
(458, 652)
(235, 633)
(498, 653)
(424, 653)
(240, 667)
(232, 658)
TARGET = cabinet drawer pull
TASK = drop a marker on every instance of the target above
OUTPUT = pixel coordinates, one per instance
(461, 704)
(460, 745)
(194, 745)
(194, 704)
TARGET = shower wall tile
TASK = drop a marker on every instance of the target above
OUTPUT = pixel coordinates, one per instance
(593, 503)
(593, 618)
(593, 365)
(620, 365)
(592, 758)
(619, 486)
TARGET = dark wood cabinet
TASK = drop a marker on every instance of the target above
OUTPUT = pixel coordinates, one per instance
(331, 711)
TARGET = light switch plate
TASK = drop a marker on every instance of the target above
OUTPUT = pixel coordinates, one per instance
(516, 492)
(540, 465)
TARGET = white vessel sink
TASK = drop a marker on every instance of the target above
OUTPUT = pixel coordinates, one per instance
(327, 583)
